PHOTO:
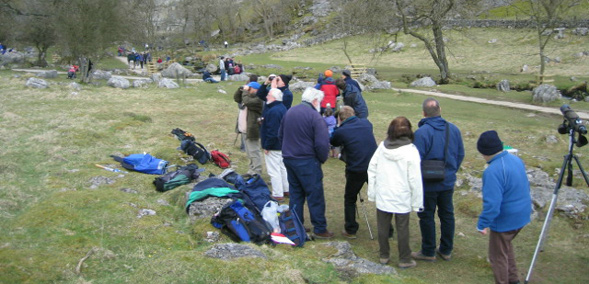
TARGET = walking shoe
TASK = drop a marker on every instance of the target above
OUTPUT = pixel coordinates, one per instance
(384, 261)
(287, 194)
(405, 265)
(419, 256)
(308, 230)
(326, 235)
(445, 257)
(348, 235)
(277, 198)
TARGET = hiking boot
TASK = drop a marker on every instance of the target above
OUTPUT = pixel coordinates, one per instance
(308, 230)
(348, 235)
(405, 265)
(419, 256)
(445, 257)
(384, 261)
(326, 235)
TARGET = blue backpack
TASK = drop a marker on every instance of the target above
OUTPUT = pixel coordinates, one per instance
(292, 228)
(242, 224)
(255, 188)
(143, 163)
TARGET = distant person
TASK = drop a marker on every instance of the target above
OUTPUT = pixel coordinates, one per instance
(330, 90)
(305, 146)
(394, 183)
(226, 44)
(71, 73)
(354, 135)
(280, 82)
(430, 140)
(254, 112)
(353, 97)
(272, 116)
(507, 205)
(207, 77)
(222, 68)
(347, 76)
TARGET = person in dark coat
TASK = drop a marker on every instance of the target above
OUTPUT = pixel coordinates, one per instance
(305, 146)
(272, 116)
(280, 82)
(355, 137)
(430, 140)
(254, 112)
(347, 76)
(353, 97)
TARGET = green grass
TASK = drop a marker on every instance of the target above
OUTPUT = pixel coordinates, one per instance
(51, 218)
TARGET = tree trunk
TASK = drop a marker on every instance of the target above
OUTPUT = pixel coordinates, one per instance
(441, 60)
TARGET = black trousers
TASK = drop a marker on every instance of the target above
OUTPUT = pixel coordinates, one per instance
(354, 183)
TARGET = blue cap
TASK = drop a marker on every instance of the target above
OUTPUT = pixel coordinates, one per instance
(254, 85)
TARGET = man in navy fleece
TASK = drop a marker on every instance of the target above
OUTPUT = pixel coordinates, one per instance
(305, 146)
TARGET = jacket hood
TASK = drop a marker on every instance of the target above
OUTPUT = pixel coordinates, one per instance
(393, 144)
(436, 122)
(398, 153)
(329, 80)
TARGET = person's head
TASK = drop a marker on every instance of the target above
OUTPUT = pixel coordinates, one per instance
(489, 144)
(340, 84)
(345, 112)
(431, 107)
(274, 95)
(282, 80)
(253, 87)
(222, 57)
(328, 111)
(399, 127)
(253, 78)
(313, 96)
(347, 74)
(328, 73)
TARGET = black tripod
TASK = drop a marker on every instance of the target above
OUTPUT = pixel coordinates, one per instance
(567, 164)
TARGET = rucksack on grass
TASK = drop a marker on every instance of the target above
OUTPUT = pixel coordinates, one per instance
(196, 150)
(242, 224)
(143, 163)
(292, 228)
(181, 176)
(182, 135)
(220, 159)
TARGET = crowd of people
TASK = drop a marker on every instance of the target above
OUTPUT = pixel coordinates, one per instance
(297, 139)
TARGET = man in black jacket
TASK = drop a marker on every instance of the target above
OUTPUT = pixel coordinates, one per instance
(355, 136)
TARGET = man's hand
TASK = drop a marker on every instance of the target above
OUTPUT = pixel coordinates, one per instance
(266, 152)
(483, 231)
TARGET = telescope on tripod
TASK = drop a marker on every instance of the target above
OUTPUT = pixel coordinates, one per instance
(574, 127)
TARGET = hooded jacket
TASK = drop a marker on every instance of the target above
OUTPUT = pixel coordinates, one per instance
(353, 97)
(430, 139)
(272, 114)
(394, 177)
(286, 95)
(331, 92)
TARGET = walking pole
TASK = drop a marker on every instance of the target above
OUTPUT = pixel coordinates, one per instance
(365, 215)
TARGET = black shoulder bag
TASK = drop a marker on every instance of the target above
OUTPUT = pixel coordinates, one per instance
(434, 170)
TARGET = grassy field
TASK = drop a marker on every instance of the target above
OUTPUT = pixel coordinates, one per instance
(51, 217)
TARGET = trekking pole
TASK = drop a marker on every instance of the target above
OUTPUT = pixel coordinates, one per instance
(365, 215)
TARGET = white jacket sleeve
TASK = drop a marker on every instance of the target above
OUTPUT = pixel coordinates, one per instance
(415, 182)
(372, 169)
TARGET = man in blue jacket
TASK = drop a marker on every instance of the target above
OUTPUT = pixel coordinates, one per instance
(430, 140)
(507, 204)
(305, 146)
(279, 82)
(353, 97)
(355, 136)
(272, 116)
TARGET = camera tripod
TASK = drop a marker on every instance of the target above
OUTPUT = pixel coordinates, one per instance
(567, 166)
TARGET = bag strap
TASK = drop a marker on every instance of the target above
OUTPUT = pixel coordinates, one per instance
(447, 140)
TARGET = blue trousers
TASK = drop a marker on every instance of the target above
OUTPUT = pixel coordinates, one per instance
(442, 200)
(223, 74)
(305, 179)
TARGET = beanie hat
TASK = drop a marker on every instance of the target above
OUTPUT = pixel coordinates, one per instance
(328, 73)
(254, 85)
(347, 73)
(285, 78)
(489, 143)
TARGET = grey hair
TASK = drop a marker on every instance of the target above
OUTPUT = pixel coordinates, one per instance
(276, 93)
(310, 94)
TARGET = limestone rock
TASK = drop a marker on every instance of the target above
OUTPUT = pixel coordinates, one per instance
(118, 82)
(167, 83)
(101, 75)
(424, 82)
(231, 250)
(36, 83)
(503, 86)
(50, 74)
(176, 70)
(545, 93)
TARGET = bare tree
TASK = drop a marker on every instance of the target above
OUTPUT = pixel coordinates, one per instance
(547, 15)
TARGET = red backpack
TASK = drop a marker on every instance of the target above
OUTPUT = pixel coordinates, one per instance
(220, 159)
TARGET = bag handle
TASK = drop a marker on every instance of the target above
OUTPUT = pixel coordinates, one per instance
(447, 140)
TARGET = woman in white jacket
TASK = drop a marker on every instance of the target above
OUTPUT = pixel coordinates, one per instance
(394, 183)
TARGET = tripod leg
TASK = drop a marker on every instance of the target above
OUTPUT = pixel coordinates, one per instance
(545, 227)
(365, 215)
(582, 170)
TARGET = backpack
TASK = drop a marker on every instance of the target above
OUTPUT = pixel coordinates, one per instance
(182, 135)
(292, 228)
(220, 159)
(196, 150)
(242, 224)
(181, 176)
(143, 163)
(255, 188)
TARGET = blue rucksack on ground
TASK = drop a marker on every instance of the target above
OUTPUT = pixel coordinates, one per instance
(255, 188)
(143, 163)
(292, 228)
(242, 224)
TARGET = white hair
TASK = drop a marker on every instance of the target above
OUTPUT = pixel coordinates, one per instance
(310, 94)
(276, 93)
